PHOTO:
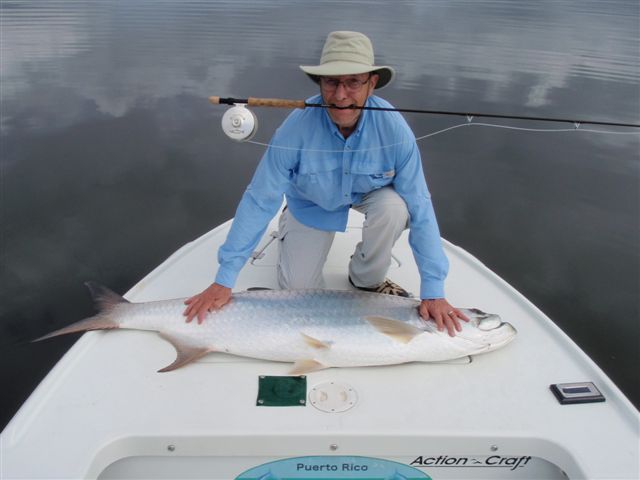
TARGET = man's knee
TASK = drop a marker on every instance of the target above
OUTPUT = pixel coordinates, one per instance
(390, 211)
(302, 253)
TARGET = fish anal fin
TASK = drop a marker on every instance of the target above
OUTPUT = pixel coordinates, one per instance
(306, 365)
(186, 352)
(314, 342)
(396, 329)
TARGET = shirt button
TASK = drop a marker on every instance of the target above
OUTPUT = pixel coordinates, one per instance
(346, 173)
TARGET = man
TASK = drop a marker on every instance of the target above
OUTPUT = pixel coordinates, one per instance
(326, 161)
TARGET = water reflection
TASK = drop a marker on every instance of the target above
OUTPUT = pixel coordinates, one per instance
(116, 53)
(112, 158)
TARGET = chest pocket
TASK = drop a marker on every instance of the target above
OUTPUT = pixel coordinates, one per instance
(366, 182)
(319, 187)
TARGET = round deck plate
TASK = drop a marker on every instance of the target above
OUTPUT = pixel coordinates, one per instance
(333, 397)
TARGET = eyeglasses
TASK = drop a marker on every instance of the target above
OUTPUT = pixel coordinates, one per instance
(330, 84)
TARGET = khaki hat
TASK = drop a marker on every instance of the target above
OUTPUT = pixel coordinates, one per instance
(348, 53)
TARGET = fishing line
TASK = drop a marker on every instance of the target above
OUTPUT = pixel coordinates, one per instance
(445, 130)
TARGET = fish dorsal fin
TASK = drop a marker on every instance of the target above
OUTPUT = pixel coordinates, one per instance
(396, 329)
(104, 298)
(314, 342)
(187, 352)
(306, 365)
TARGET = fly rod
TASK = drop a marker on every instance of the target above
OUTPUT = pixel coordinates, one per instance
(240, 123)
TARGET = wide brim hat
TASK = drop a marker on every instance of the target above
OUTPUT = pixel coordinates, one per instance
(348, 53)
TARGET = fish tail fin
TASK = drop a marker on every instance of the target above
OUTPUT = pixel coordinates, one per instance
(98, 322)
(106, 300)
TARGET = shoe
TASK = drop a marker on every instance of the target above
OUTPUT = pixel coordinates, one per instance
(387, 288)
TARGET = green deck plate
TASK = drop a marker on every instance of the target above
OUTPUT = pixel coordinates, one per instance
(282, 391)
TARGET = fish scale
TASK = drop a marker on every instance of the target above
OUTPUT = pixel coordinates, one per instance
(313, 328)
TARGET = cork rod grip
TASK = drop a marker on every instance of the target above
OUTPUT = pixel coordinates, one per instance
(276, 102)
(259, 102)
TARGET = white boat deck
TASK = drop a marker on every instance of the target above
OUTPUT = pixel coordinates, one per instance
(104, 412)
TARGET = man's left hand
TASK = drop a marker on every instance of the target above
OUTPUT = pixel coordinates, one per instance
(445, 316)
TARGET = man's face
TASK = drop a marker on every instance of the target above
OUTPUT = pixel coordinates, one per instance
(347, 90)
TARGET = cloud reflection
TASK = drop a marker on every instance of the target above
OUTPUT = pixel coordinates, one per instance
(116, 53)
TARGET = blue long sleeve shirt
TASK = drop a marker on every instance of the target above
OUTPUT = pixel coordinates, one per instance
(321, 174)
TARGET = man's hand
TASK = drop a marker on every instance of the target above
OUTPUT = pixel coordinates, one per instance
(212, 298)
(444, 315)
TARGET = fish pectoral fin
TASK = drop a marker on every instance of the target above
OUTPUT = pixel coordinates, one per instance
(396, 329)
(187, 352)
(314, 342)
(306, 365)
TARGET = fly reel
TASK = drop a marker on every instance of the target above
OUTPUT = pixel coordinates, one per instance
(239, 123)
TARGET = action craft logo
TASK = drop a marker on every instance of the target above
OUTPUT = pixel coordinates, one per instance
(496, 461)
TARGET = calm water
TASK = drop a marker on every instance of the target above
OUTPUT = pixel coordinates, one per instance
(112, 158)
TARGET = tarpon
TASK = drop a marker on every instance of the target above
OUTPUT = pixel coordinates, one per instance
(314, 329)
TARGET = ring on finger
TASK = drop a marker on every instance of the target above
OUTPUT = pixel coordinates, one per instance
(450, 312)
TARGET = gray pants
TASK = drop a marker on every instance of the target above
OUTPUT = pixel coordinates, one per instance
(303, 250)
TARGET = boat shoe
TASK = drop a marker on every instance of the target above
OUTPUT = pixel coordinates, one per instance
(387, 287)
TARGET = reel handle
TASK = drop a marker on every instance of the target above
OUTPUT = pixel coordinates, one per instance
(260, 102)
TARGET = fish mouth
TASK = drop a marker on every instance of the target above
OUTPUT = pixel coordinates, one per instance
(502, 335)
(494, 338)
(496, 332)
(497, 327)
